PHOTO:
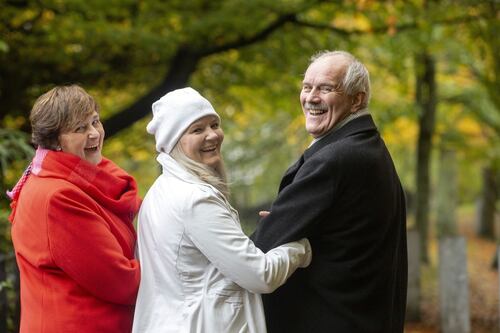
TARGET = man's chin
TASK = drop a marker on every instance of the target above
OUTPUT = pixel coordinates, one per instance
(313, 131)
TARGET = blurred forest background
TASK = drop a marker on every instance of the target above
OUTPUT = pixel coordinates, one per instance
(434, 69)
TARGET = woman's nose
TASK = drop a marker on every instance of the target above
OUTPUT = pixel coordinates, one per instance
(212, 135)
(93, 132)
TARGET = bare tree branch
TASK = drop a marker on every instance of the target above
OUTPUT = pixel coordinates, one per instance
(186, 60)
(281, 20)
(385, 28)
(182, 65)
(244, 41)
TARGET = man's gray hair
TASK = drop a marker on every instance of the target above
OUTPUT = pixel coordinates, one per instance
(356, 78)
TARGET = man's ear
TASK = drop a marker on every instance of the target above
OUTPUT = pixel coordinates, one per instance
(358, 102)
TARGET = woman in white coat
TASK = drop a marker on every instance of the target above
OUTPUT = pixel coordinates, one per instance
(199, 271)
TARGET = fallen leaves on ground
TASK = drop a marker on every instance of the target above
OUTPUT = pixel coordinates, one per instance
(483, 285)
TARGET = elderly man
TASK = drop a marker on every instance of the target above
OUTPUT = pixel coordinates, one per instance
(345, 196)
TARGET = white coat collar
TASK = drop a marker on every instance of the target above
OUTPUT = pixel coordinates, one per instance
(172, 167)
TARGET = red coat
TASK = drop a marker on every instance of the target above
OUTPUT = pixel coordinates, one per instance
(74, 241)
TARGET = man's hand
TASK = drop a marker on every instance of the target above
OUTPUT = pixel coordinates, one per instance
(264, 213)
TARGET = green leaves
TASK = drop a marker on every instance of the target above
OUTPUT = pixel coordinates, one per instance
(14, 147)
(120, 50)
(4, 47)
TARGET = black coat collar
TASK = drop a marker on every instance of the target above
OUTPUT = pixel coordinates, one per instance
(361, 124)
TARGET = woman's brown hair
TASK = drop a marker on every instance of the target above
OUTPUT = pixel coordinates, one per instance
(58, 111)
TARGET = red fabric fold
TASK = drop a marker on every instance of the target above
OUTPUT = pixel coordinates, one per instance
(106, 183)
(74, 241)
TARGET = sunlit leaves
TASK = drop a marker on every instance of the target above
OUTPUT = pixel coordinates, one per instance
(120, 49)
(14, 150)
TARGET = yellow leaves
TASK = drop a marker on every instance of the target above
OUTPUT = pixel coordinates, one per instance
(297, 125)
(391, 25)
(14, 122)
(73, 48)
(27, 17)
(114, 145)
(141, 155)
(472, 132)
(352, 22)
(48, 15)
(462, 77)
(457, 127)
(364, 4)
(469, 127)
(23, 17)
(242, 119)
(175, 22)
(233, 55)
(403, 131)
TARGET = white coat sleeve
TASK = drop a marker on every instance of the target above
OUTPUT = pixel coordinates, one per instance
(219, 237)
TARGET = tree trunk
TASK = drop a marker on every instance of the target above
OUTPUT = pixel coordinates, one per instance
(487, 204)
(446, 193)
(453, 286)
(181, 67)
(413, 313)
(426, 105)
(497, 255)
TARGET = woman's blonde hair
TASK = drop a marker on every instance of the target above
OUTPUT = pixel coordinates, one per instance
(215, 177)
(57, 111)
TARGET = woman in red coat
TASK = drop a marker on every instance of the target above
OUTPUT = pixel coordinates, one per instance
(72, 214)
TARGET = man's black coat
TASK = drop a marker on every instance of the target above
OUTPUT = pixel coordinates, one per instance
(345, 196)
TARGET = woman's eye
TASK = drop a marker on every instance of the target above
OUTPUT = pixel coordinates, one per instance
(215, 126)
(80, 129)
(197, 130)
(96, 122)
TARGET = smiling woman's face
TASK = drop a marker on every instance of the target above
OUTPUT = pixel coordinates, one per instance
(202, 141)
(85, 139)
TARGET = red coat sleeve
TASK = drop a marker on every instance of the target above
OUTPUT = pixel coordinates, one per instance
(84, 244)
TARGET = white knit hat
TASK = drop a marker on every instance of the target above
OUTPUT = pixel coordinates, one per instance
(174, 113)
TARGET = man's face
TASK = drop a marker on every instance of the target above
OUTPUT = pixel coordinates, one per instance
(324, 103)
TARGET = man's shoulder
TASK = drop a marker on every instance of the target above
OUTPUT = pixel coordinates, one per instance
(346, 136)
(346, 152)
(346, 145)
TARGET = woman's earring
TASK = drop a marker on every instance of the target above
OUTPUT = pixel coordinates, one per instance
(58, 148)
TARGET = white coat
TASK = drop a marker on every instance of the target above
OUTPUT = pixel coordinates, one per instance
(199, 271)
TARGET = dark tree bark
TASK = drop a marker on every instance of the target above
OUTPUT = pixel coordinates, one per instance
(184, 63)
(426, 103)
(446, 193)
(182, 66)
(487, 204)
